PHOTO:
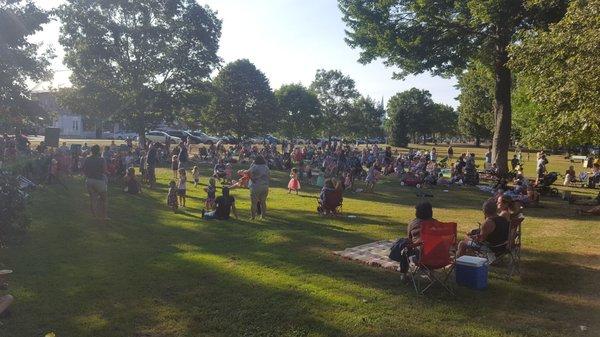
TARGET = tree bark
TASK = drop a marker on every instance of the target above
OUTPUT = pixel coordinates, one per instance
(477, 142)
(502, 110)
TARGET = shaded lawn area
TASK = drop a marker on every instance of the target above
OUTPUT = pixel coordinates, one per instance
(150, 272)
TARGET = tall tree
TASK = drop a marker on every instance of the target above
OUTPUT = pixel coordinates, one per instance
(243, 103)
(364, 119)
(408, 114)
(445, 120)
(301, 111)
(20, 61)
(559, 70)
(444, 36)
(336, 92)
(476, 99)
(145, 54)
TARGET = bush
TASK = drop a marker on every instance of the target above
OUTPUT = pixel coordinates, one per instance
(13, 219)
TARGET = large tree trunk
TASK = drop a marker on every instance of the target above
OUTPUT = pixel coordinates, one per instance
(477, 142)
(502, 110)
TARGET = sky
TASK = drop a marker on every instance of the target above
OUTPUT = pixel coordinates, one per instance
(288, 40)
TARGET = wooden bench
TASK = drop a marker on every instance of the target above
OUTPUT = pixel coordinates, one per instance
(578, 158)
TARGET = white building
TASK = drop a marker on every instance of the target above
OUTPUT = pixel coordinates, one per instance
(70, 125)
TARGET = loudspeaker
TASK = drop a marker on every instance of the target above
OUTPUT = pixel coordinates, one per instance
(51, 137)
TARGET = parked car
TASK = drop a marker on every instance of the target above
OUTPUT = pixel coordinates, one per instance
(203, 138)
(161, 137)
(126, 134)
(271, 139)
(256, 140)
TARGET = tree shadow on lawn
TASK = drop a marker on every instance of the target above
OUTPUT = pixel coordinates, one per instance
(135, 275)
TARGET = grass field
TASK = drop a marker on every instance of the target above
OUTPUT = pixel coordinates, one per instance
(150, 272)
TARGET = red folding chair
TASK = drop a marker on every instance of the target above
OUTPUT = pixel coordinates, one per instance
(435, 263)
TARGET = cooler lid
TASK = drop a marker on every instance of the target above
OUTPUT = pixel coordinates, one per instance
(471, 261)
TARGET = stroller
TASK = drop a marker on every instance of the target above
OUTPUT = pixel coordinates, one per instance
(544, 187)
(411, 179)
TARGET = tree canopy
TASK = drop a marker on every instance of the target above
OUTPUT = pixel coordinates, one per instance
(337, 93)
(243, 103)
(364, 119)
(445, 36)
(559, 70)
(476, 99)
(301, 111)
(143, 54)
(20, 61)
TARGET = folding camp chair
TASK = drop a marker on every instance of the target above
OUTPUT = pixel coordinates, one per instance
(511, 252)
(333, 203)
(437, 241)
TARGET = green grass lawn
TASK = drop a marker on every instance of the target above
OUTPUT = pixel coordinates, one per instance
(150, 272)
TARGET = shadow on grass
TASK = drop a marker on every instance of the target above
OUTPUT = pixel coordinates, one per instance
(155, 273)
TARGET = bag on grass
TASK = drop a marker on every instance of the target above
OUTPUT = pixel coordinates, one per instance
(397, 248)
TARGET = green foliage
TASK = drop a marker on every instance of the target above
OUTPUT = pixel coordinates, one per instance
(301, 111)
(364, 119)
(20, 61)
(409, 113)
(13, 219)
(337, 93)
(443, 37)
(476, 99)
(143, 56)
(560, 72)
(243, 103)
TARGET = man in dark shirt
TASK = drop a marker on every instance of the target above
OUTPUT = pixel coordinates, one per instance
(94, 169)
(151, 160)
(225, 206)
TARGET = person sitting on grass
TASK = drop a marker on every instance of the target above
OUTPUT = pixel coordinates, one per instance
(570, 176)
(225, 205)
(490, 237)
(132, 186)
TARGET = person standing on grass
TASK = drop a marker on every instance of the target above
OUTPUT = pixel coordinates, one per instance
(259, 186)
(182, 156)
(151, 160)
(94, 170)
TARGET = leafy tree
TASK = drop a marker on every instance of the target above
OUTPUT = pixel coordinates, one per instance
(337, 93)
(243, 103)
(364, 119)
(145, 54)
(560, 72)
(476, 99)
(445, 120)
(444, 36)
(409, 112)
(301, 111)
(20, 61)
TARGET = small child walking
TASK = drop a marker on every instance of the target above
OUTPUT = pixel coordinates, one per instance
(211, 192)
(172, 196)
(175, 166)
(181, 187)
(196, 175)
(294, 184)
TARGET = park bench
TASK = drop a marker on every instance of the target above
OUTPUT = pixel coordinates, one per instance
(578, 158)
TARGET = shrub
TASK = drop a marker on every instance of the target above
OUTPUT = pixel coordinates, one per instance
(13, 219)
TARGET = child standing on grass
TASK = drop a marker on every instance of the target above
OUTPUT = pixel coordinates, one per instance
(172, 196)
(181, 187)
(211, 191)
(228, 173)
(196, 175)
(371, 179)
(175, 166)
(294, 184)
